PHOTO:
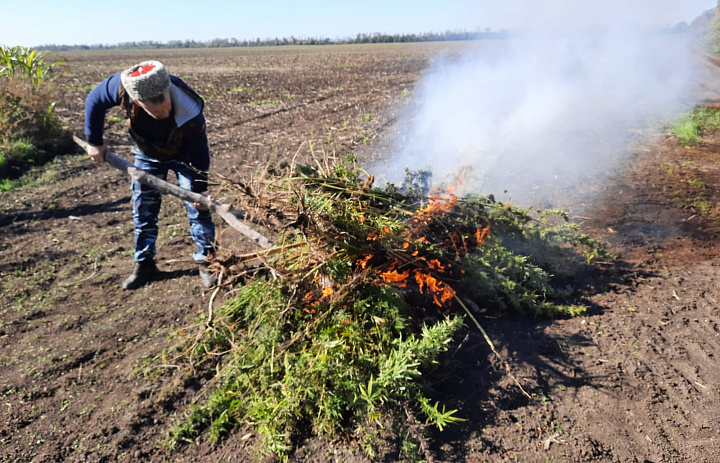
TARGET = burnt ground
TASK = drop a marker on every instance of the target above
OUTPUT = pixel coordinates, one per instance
(635, 380)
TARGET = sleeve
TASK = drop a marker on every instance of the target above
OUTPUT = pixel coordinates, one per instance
(98, 101)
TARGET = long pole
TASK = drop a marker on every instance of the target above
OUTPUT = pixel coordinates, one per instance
(223, 210)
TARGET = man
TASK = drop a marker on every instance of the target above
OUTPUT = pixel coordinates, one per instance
(165, 118)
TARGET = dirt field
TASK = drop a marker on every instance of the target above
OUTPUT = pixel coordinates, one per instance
(636, 380)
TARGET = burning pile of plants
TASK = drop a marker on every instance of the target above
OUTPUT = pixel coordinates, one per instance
(333, 329)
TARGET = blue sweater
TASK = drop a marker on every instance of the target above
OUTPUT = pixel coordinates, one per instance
(187, 109)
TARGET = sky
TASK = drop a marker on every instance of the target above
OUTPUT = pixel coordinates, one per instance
(84, 22)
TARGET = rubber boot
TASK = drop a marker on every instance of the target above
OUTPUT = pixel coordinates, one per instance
(142, 273)
(207, 276)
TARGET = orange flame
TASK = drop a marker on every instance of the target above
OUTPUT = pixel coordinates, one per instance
(362, 263)
(441, 292)
(419, 233)
(481, 235)
(394, 277)
(368, 182)
(435, 265)
(327, 292)
(438, 204)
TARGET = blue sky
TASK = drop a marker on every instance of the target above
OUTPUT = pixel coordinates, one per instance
(101, 22)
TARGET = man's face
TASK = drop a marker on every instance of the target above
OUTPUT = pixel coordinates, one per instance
(159, 110)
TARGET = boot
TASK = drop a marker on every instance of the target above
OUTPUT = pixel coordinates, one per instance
(207, 276)
(143, 272)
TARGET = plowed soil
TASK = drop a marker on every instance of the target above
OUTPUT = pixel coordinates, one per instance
(636, 380)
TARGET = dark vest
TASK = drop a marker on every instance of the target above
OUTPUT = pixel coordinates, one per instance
(166, 147)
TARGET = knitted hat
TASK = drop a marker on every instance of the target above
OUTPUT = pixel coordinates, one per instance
(145, 80)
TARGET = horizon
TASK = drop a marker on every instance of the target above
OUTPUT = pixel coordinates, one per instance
(248, 21)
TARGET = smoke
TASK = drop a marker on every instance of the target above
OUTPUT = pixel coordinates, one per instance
(544, 116)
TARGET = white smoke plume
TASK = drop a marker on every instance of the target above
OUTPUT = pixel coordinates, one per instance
(540, 115)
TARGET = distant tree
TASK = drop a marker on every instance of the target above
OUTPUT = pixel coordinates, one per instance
(377, 37)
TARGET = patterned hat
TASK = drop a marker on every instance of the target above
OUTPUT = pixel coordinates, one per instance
(145, 80)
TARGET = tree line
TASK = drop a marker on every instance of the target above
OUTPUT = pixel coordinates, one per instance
(486, 34)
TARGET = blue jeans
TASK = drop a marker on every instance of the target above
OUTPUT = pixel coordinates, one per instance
(192, 175)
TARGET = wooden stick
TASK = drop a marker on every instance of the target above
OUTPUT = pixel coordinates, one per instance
(223, 210)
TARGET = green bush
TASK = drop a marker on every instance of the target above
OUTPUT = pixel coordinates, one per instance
(14, 153)
(27, 110)
(691, 126)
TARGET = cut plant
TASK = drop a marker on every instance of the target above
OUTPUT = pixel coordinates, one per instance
(336, 328)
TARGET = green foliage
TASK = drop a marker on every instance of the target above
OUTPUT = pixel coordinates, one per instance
(342, 323)
(266, 101)
(691, 126)
(16, 152)
(24, 61)
(21, 149)
(7, 184)
(27, 110)
(241, 89)
(286, 366)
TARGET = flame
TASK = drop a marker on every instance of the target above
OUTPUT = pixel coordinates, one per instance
(435, 265)
(322, 288)
(362, 263)
(439, 203)
(459, 180)
(394, 277)
(423, 234)
(327, 292)
(481, 235)
(368, 183)
(440, 292)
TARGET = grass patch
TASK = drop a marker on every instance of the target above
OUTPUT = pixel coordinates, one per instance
(14, 153)
(691, 192)
(241, 89)
(80, 88)
(266, 101)
(691, 126)
(695, 201)
(7, 184)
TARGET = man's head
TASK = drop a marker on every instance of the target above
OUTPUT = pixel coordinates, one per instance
(148, 84)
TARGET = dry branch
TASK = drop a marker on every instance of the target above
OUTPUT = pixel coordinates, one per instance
(223, 210)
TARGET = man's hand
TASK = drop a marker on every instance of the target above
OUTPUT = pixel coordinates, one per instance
(202, 207)
(97, 153)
